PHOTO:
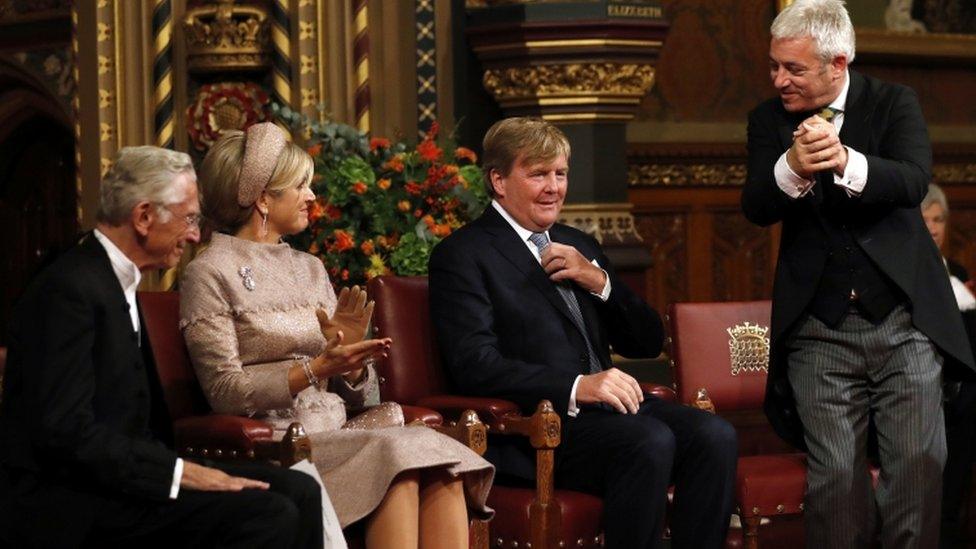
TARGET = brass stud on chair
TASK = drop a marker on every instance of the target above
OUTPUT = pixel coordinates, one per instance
(780, 508)
(499, 542)
(218, 453)
(801, 506)
(755, 510)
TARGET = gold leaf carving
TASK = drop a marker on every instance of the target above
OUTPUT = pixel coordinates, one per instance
(574, 78)
(640, 175)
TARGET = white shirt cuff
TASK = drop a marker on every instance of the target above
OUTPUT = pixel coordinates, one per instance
(788, 181)
(604, 294)
(174, 489)
(573, 409)
(855, 174)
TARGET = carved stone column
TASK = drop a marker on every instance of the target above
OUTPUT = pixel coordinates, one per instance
(584, 66)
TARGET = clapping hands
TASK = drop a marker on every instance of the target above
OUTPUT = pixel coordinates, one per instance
(352, 315)
(349, 322)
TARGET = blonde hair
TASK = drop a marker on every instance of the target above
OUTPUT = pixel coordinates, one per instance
(141, 174)
(532, 139)
(221, 170)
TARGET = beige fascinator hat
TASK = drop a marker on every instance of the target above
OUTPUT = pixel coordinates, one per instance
(263, 144)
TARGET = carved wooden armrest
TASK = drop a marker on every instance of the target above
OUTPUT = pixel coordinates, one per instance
(663, 392)
(226, 437)
(468, 430)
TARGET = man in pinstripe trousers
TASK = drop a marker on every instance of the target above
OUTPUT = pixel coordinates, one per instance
(863, 316)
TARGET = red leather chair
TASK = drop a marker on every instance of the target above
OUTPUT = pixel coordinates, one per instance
(198, 431)
(545, 517)
(720, 358)
(201, 433)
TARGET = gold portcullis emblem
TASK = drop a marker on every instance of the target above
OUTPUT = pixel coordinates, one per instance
(748, 348)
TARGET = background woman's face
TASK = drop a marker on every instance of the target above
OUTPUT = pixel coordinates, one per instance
(935, 220)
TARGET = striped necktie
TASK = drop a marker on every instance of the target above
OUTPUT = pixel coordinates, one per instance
(828, 113)
(541, 242)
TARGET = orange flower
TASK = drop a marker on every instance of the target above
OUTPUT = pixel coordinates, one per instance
(404, 206)
(441, 230)
(428, 220)
(383, 184)
(429, 151)
(466, 153)
(345, 274)
(450, 169)
(379, 143)
(394, 164)
(315, 212)
(359, 187)
(343, 240)
(332, 212)
(313, 248)
(367, 247)
(412, 188)
(314, 150)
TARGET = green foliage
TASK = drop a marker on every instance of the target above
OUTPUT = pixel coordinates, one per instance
(381, 205)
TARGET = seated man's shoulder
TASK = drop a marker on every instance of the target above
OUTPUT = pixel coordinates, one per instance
(467, 239)
(562, 232)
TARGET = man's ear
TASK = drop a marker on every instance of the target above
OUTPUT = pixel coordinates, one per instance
(497, 183)
(143, 216)
(838, 65)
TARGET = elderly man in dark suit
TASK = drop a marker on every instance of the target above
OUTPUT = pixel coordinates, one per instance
(85, 438)
(526, 309)
(863, 316)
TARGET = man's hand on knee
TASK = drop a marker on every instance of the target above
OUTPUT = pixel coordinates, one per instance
(208, 479)
(613, 387)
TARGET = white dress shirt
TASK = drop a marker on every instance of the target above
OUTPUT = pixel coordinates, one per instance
(855, 175)
(129, 276)
(604, 295)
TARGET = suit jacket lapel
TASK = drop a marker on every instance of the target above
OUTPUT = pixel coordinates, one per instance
(858, 109)
(113, 289)
(507, 242)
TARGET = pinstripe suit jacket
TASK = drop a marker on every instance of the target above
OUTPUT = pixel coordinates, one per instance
(884, 122)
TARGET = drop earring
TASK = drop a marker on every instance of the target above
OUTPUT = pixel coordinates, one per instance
(264, 225)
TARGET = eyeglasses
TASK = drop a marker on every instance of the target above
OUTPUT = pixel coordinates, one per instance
(192, 220)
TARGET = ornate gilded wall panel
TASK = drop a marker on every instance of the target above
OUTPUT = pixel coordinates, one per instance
(665, 237)
(741, 262)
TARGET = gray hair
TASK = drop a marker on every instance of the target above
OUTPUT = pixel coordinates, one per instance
(141, 174)
(825, 21)
(935, 196)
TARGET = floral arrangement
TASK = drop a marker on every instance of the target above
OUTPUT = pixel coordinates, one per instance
(383, 205)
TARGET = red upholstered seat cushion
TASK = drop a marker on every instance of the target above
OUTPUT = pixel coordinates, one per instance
(581, 516)
(771, 485)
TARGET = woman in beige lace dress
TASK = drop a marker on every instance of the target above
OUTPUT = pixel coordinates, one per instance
(253, 313)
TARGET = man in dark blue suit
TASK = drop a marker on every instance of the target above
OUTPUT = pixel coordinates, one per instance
(86, 454)
(526, 309)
